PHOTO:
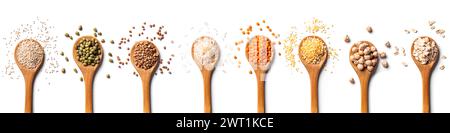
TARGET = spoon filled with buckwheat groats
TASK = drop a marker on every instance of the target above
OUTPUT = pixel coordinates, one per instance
(145, 58)
(29, 56)
(88, 53)
(425, 53)
(364, 60)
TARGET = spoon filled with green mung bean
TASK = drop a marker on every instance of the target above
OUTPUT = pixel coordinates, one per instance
(88, 53)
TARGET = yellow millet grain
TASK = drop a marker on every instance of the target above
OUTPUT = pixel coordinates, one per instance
(312, 49)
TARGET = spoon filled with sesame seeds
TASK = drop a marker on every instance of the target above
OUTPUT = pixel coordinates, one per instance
(425, 53)
(259, 53)
(29, 57)
(145, 58)
(88, 54)
(313, 54)
(364, 59)
(206, 53)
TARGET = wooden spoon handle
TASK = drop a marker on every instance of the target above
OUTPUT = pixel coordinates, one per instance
(29, 94)
(314, 92)
(426, 92)
(88, 80)
(207, 91)
(261, 94)
(146, 90)
(364, 95)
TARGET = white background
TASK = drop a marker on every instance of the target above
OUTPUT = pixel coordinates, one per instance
(397, 89)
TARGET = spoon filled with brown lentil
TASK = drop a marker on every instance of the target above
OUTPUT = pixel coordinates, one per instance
(88, 53)
(29, 57)
(259, 52)
(145, 58)
(313, 54)
(364, 59)
(425, 53)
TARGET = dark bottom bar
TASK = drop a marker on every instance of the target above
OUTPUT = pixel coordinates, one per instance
(223, 122)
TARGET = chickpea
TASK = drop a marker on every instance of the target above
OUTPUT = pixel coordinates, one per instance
(357, 56)
(368, 62)
(361, 61)
(370, 68)
(385, 64)
(354, 49)
(374, 61)
(367, 57)
(360, 67)
(375, 54)
(382, 55)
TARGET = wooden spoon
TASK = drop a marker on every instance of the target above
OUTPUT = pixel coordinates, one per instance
(314, 72)
(88, 72)
(146, 75)
(425, 71)
(28, 75)
(207, 75)
(364, 78)
(260, 68)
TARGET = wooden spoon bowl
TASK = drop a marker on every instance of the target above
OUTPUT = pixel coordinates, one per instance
(260, 69)
(364, 78)
(207, 75)
(314, 72)
(28, 75)
(88, 72)
(425, 71)
(146, 75)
